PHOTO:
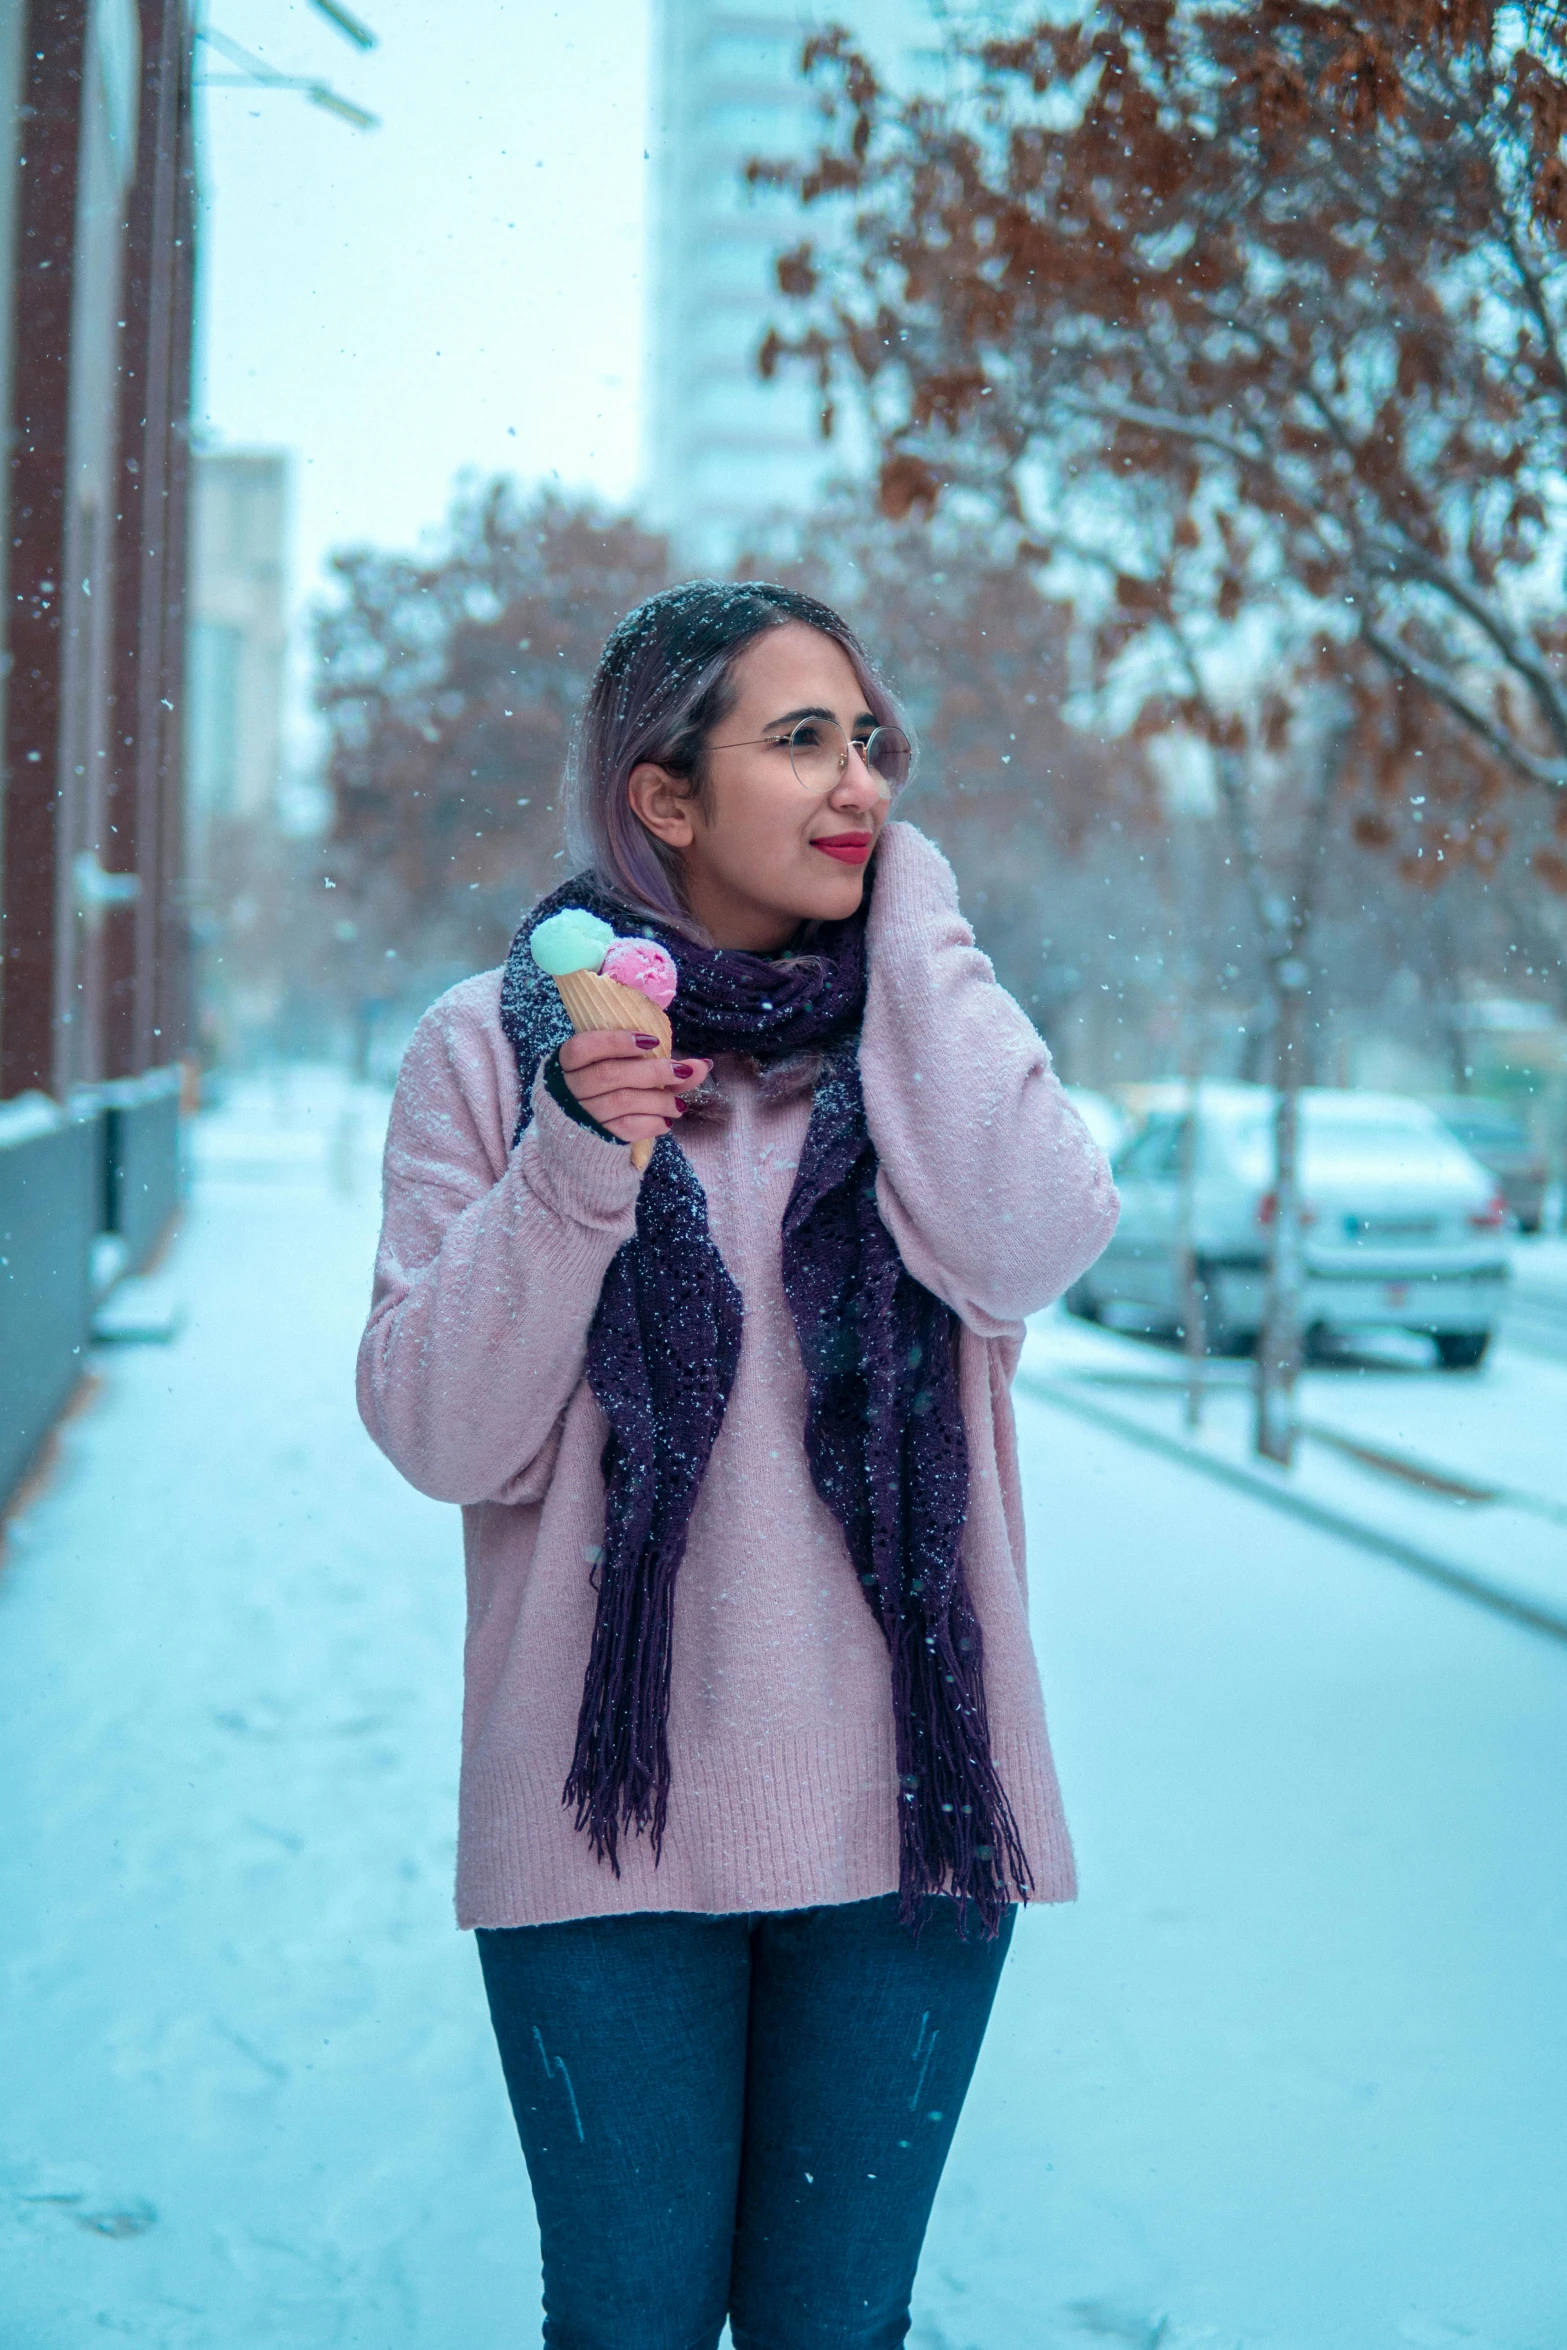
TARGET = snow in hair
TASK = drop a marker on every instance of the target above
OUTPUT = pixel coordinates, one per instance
(663, 683)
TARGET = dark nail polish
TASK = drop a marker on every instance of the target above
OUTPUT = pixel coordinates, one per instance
(680, 1102)
(685, 1070)
(648, 1044)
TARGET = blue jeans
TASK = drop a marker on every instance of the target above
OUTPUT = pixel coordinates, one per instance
(737, 2116)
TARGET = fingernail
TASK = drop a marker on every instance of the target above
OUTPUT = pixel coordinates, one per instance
(680, 1102)
(685, 1069)
(648, 1044)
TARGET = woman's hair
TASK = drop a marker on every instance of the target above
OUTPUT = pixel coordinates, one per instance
(665, 680)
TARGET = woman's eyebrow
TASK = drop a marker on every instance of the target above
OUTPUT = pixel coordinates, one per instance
(793, 717)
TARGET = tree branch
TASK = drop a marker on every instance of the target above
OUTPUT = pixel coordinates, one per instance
(1549, 774)
(1164, 421)
(1414, 561)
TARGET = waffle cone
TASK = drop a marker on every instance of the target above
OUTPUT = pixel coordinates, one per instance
(592, 1001)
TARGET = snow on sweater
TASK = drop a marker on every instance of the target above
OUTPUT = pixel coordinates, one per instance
(471, 1380)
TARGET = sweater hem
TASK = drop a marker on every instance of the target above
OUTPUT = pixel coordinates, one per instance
(805, 1820)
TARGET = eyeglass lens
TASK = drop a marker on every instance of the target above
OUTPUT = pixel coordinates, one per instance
(819, 754)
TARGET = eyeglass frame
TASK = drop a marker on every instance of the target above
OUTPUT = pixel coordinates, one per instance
(850, 743)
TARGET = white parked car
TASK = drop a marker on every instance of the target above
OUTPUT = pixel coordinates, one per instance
(1402, 1228)
(1106, 1121)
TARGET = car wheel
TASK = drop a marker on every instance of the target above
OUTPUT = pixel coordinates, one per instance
(1462, 1350)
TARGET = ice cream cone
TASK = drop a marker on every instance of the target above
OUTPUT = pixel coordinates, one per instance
(592, 1001)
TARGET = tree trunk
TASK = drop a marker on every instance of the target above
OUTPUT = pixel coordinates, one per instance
(1194, 1320)
(1279, 1340)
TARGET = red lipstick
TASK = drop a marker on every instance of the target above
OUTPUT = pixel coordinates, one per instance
(850, 848)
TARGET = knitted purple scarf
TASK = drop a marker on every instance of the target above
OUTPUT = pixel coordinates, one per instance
(884, 1434)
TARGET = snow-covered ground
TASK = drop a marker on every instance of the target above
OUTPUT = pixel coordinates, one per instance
(1292, 2075)
(1467, 1468)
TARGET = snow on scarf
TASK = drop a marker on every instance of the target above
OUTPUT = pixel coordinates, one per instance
(884, 1434)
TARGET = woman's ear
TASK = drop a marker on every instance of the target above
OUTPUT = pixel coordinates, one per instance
(664, 802)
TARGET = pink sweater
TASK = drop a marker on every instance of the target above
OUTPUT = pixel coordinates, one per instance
(471, 1380)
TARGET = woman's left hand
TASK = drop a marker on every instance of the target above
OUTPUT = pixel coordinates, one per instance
(623, 1081)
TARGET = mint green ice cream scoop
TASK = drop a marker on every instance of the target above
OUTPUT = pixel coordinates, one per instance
(572, 940)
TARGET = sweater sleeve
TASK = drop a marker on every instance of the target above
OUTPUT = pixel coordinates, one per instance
(991, 1185)
(490, 1262)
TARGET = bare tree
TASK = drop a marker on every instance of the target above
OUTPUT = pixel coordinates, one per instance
(450, 681)
(1264, 308)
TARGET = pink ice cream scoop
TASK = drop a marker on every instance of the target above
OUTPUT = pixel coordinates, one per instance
(643, 964)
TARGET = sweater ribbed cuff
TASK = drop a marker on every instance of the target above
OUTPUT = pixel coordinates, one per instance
(584, 1172)
(561, 1095)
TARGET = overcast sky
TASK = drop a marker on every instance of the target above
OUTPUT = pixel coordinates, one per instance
(461, 287)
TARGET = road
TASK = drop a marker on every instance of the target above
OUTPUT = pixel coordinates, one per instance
(1291, 2076)
(1537, 1305)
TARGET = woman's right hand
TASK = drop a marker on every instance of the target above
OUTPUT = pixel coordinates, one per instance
(623, 1081)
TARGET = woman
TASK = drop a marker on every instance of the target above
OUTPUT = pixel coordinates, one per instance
(754, 1760)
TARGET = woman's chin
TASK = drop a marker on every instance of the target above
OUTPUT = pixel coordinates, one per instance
(834, 893)
(806, 888)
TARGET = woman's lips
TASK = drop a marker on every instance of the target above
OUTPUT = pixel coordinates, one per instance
(850, 848)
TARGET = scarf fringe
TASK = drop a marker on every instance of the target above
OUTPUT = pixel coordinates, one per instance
(619, 1777)
(957, 1833)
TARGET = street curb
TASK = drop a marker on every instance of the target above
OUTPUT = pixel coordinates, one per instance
(1445, 1572)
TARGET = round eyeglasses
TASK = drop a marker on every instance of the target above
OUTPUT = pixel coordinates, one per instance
(819, 751)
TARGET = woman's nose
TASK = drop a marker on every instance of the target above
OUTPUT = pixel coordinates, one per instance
(858, 785)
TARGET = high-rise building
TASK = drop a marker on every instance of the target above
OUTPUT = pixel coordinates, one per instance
(725, 451)
(238, 633)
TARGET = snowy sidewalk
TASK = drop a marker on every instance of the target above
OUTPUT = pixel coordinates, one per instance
(1464, 1471)
(1292, 2076)
(250, 2096)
